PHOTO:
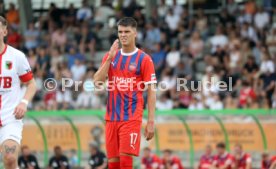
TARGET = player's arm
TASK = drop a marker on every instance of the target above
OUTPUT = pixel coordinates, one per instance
(229, 162)
(100, 75)
(26, 77)
(151, 110)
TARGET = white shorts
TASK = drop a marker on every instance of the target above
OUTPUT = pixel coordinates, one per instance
(11, 131)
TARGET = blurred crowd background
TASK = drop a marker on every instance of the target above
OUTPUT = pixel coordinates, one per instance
(236, 45)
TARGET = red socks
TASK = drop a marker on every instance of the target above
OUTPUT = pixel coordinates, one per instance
(114, 165)
(126, 162)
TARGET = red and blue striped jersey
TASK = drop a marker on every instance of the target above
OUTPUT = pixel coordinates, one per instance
(127, 76)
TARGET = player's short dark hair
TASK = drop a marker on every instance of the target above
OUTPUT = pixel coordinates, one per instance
(3, 21)
(127, 21)
(221, 145)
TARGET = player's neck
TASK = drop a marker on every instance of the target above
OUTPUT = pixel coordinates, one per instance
(2, 46)
(129, 49)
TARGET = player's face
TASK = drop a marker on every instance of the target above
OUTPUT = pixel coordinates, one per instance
(25, 152)
(220, 151)
(208, 150)
(3, 31)
(238, 150)
(127, 35)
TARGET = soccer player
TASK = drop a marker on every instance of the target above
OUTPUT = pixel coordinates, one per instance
(130, 71)
(149, 160)
(27, 160)
(268, 162)
(223, 159)
(206, 160)
(242, 160)
(169, 161)
(14, 69)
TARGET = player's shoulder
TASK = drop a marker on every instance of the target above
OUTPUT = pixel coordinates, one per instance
(145, 56)
(15, 52)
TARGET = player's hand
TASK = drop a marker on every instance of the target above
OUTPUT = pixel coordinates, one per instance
(20, 110)
(149, 131)
(113, 49)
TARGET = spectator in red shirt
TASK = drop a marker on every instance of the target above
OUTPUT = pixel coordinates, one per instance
(223, 159)
(169, 161)
(13, 38)
(206, 159)
(247, 95)
(268, 162)
(149, 160)
(242, 160)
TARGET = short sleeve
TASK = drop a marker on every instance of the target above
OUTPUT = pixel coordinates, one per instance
(24, 70)
(104, 58)
(148, 72)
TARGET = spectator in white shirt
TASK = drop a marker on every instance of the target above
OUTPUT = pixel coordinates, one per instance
(85, 12)
(164, 103)
(219, 39)
(78, 70)
(172, 20)
(267, 64)
(261, 19)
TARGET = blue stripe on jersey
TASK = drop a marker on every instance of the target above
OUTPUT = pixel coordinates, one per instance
(126, 101)
(123, 63)
(133, 58)
(107, 107)
(134, 102)
(118, 107)
(139, 63)
(113, 107)
(117, 58)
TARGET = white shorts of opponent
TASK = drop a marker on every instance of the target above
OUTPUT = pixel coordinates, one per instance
(11, 131)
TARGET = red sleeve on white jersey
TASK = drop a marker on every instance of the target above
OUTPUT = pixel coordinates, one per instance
(24, 70)
(148, 72)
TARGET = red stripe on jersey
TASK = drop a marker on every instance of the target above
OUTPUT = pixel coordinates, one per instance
(0, 109)
(26, 77)
(1, 55)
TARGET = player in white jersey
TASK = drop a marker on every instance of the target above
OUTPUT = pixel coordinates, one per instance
(14, 69)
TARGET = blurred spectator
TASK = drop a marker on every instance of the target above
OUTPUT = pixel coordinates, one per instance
(97, 158)
(268, 162)
(247, 95)
(103, 12)
(242, 160)
(164, 103)
(149, 160)
(261, 19)
(31, 36)
(271, 41)
(64, 98)
(172, 19)
(78, 70)
(153, 35)
(12, 16)
(213, 102)
(14, 38)
(27, 160)
(177, 8)
(158, 58)
(196, 45)
(219, 39)
(173, 57)
(206, 159)
(85, 12)
(196, 104)
(169, 160)
(58, 161)
(223, 159)
(86, 40)
(59, 38)
(162, 9)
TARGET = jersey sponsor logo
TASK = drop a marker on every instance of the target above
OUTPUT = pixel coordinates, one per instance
(6, 81)
(8, 65)
(153, 77)
(120, 80)
(132, 66)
